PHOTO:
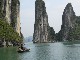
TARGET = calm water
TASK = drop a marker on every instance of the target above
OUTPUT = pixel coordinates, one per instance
(44, 51)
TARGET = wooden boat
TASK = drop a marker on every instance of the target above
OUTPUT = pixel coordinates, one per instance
(27, 50)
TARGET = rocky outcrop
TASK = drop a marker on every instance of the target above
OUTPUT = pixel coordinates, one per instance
(10, 21)
(41, 26)
(7, 8)
(15, 15)
(51, 35)
(1, 9)
(68, 21)
(10, 11)
(70, 27)
(41, 22)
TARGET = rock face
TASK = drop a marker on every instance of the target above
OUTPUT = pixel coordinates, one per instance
(10, 11)
(41, 26)
(10, 22)
(68, 21)
(2, 8)
(70, 27)
(15, 15)
(7, 8)
(51, 34)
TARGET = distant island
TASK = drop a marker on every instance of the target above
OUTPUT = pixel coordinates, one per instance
(28, 39)
(70, 28)
(10, 30)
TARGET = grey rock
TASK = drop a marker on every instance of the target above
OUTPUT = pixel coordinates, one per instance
(68, 20)
(41, 26)
(70, 25)
(15, 15)
(10, 11)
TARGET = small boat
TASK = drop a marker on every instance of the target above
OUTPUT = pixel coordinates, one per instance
(27, 50)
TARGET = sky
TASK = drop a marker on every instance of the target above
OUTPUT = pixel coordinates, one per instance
(54, 10)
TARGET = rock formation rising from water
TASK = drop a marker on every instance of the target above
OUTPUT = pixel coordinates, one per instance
(41, 26)
(70, 29)
(10, 22)
(10, 11)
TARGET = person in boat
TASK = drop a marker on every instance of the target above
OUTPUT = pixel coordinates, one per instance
(21, 48)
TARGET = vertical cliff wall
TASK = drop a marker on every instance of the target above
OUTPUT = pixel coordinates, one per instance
(10, 11)
(7, 9)
(41, 22)
(2, 8)
(10, 22)
(15, 15)
(41, 26)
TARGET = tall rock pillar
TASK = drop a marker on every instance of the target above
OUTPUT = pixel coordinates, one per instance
(41, 22)
(68, 22)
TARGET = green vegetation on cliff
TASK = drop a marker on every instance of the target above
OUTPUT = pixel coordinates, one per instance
(8, 33)
(51, 34)
(75, 32)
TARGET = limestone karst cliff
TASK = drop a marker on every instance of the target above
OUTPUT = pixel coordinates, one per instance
(51, 34)
(10, 20)
(10, 11)
(15, 15)
(70, 29)
(41, 26)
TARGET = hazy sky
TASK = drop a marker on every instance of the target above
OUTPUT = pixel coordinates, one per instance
(54, 10)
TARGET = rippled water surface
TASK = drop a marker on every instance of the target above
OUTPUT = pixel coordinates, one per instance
(43, 51)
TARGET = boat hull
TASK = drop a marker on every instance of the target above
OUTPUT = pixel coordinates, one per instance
(28, 50)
